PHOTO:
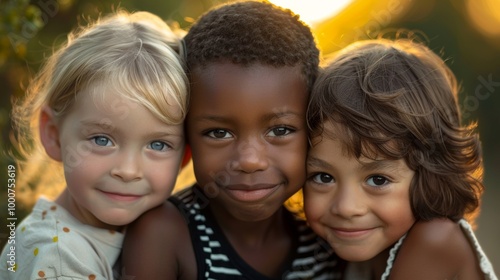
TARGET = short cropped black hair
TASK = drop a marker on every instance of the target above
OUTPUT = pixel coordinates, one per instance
(253, 32)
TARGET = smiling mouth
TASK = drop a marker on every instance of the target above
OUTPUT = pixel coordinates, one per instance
(249, 194)
(121, 197)
(343, 233)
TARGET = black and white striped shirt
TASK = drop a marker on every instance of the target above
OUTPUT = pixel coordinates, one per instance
(217, 259)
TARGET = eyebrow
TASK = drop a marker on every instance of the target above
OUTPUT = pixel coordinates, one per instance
(267, 117)
(316, 162)
(367, 166)
(379, 164)
(161, 134)
(282, 114)
(92, 124)
(96, 124)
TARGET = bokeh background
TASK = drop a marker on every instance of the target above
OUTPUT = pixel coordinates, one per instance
(466, 33)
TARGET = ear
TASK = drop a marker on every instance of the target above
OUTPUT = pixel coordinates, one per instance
(187, 156)
(49, 133)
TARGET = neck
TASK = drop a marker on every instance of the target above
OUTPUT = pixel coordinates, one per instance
(251, 233)
(266, 244)
(379, 263)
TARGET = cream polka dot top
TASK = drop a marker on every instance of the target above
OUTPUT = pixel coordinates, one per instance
(51, 244)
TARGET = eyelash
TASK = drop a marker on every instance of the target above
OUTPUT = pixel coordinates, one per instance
(331, 180)
(386, 181)
(313, 178)
(211, 133)
(288, 130)
(150, 145)
(164, 147)
(101, 137)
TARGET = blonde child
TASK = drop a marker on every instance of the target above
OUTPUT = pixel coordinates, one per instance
(390, 159)
(109, 106)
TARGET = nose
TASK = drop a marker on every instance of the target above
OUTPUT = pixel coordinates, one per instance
(349, 201)
(250, 156)
(127, 167)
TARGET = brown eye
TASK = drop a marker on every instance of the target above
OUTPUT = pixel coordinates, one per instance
(219, 133)
(377, 181)
(280, 131)
(323, 178)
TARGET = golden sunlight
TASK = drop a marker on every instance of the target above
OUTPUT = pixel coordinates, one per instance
(313, 11)
(485, 15)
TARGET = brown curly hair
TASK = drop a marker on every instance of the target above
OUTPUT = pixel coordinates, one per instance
(397, 99)
(253, 32)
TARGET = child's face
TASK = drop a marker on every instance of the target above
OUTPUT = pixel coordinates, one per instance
(360, 207)
(119, 159)
(247, 131)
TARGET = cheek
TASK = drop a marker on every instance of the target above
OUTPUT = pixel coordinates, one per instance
(80, 169)
(316, 210)
(405, 215)
(315, 206)
(162, 176)
(79, 158)
(398, 212)
(296, 163)
(209, 164)
(293, 159)
(401, 224)
(161, 180)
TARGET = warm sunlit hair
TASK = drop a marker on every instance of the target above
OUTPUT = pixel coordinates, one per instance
(252, 32)
(398, 100)
(135, 54)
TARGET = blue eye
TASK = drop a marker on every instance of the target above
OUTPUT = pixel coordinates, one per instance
(377, 181)
(102, 141)
(219, 134)
(280, 131)
(323, 178)
(158, 146)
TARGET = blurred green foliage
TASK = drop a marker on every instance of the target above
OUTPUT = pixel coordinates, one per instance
(18, 19)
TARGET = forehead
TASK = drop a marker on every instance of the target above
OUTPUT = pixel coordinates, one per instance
(215, 76)
(371, 144)
(103, 100)
(224, 85)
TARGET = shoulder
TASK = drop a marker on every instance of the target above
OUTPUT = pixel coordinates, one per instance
(45, 250)
(158, 243)
(163, 223)
(436, 233)
(438, 245)
(162, 217)
(441, 237)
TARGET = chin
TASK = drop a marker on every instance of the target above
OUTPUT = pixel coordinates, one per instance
(354, 256)
(118, 219)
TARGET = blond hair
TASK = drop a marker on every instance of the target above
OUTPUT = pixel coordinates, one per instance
(136, 54)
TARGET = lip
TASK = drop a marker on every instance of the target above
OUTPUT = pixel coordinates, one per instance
(351, 233)
(247, 193)
(121, 196)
